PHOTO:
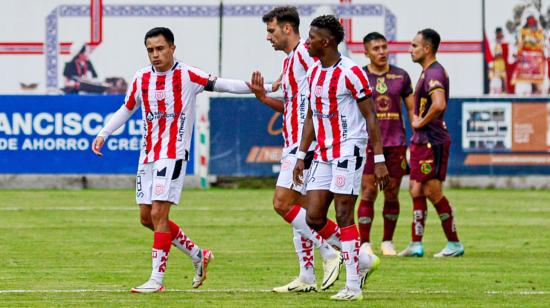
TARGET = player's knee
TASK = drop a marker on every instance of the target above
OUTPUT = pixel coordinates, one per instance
(146, 221)
(281, 206)
(369, 193)
(344, 216)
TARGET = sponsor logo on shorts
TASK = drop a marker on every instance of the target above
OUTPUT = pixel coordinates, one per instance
(340, 181)
(286, 165)
(159, 189)
(404, 164)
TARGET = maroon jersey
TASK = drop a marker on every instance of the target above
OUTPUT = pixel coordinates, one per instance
(434, 78)
(388, 90)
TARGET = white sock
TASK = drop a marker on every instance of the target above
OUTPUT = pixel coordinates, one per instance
(300, 225)
(160, 258)
(185, 244)
(304, 250)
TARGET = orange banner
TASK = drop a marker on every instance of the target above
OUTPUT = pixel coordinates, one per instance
(507, 159)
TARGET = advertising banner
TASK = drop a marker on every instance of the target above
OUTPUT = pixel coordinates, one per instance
(54, 135)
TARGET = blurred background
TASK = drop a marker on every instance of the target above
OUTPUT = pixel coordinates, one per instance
(67, 64)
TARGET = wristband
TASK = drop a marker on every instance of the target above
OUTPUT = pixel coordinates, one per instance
(379, 158)
(300, 155)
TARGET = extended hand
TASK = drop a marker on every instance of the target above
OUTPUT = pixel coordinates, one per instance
(298, 173)
(97, 145)
(256, 85)
(381, 175)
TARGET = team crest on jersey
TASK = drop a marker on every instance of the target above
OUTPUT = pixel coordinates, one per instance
(381, 86)
(318, 91)
(383, 103)
(160, 95)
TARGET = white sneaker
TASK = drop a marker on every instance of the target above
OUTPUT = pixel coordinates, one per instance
(367, 265)
(388, 249)
(296, 285)
(347, 294)
(151, 286)
(367, 247)
(200, 268)
(331, 270)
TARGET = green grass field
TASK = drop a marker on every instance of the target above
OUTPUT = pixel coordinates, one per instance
(87, 248)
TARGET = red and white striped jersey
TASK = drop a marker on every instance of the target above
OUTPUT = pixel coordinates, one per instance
(294, 86)
(168, 109)
(333, 94)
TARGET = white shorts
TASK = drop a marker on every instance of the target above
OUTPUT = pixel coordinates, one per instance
(286, 174)
(161, 180)
(340, 176)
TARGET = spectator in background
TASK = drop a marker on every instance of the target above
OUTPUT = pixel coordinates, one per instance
(529, 73)
(498, 68)
(79, 68)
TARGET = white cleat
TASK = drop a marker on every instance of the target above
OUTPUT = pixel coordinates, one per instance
(200, 268)
(331, 270)
(151, 286)
(368, 263)
(388, 249)
(347, 294)
(452, 249)
(296, 285)
(367, 247)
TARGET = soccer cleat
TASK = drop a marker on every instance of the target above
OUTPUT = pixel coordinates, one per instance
(296, 285)
(331, 270)
(200, 268)
(366, 270)
(452, 249)
(388, 249)
(347, 294)
(367, 247)
(151, 286)
(414, 249)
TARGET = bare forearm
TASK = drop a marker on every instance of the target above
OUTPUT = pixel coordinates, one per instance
(273, 103)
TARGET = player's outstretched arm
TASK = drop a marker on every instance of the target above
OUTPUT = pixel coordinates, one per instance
(438, 106)
(121, 116)
(232, 86)
(366, 106)
(257, 87)
(308, 133)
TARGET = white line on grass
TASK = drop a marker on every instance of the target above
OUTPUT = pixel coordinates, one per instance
(506, 293)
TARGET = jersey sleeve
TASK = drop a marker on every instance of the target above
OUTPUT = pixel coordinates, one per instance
(407, 85)
(198, 78)
(357, 83)
(434, 80)
(132, 101)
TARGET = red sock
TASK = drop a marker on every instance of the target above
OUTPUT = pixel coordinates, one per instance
(174, 229)
(445, 212)
(420, 210)
(329, 229)
(292, 213)
(162, 241)
(365, 214)
(390, 214)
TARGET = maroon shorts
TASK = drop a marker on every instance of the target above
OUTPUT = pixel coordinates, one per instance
(396, 161)
(429, 161)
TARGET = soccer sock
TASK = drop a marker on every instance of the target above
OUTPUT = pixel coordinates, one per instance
(161, 248)
(420, 211)
(390, 214)
(304, 251)
(184, 243)
(331, 233)
(350, 254)
(445, 212)
(365, 214)
(297, 218)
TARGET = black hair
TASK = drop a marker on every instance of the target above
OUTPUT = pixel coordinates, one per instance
(432, 37)
(373, 36)
(167, 33)
(498, 29)
(284, 14)
(330, 23)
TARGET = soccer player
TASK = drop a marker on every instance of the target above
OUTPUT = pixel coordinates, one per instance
(339, 103)
(430, 145)
(392, 84)
(282, 25)
(166, 90)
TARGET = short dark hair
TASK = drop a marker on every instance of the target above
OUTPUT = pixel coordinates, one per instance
(330, 23)
(167, 33)
(284, 14)
(498, 29)
(432, 37)
(373, 36)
